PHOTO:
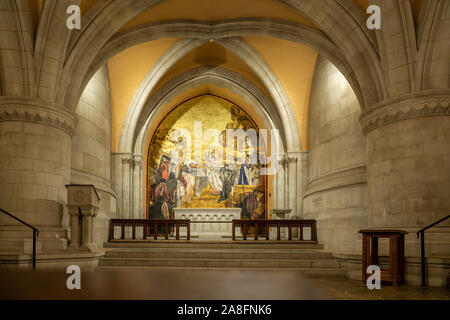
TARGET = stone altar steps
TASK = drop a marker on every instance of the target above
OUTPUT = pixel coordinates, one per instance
(214, 244)
(170, 253)
(307, 259)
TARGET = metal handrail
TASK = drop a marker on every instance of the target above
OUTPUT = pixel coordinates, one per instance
(421, 235)
(35, 233)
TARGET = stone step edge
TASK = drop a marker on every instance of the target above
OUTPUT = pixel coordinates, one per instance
(226, 268)
(218, 259)
(211, 250)
(250, 242)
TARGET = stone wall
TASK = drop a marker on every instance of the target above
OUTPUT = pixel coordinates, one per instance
(35, 139)
(409, 180)
(91, 148)
(337, 185)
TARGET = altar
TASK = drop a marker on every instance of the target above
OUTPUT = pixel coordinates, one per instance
(209, 222)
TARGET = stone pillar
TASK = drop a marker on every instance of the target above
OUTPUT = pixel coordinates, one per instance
(35, 144)
(137, 187)
(127, 163)
(280, 193)
(85, 200)
(408, 168)
(291, 165)
(76, 227)
(302, 180)
(284, 164)
(116, 180)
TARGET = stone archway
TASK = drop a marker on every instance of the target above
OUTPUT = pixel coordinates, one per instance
(192, 158)
(129, 164)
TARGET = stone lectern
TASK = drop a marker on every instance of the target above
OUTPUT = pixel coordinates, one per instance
(83, 204)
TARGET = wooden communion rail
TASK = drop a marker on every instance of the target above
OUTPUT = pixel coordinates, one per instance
(149, 224)
(266, 224)
(164, 227)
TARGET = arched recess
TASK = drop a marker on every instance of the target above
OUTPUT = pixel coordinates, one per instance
(133, 194)
(242, 50)
(218, 116)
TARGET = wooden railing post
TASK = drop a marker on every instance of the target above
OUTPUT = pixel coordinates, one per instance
(111, 230)
(166, 232)
(144, 232)
(313, 231)
(189, 230)
(233, 231)
(168, 226)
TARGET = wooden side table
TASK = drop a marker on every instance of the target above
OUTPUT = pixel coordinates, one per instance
(396, 272)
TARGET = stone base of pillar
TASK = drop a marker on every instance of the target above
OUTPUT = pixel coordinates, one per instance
(20, 239)
(87, 261)
(92, 247)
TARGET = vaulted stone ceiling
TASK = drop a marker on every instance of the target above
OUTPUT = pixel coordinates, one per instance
(207, 10)
(292, 63)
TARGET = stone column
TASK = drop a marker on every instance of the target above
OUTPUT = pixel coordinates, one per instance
(137, 186)
(35, 147)
(116, 180)
(84, 199)
(302, 180)
(127, 163)
(280, 193)
(75, 225)
(291, 165)
(408, 167)
(284, 165)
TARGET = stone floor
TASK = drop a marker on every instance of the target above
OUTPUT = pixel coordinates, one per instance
(185, 284)
(356, 290)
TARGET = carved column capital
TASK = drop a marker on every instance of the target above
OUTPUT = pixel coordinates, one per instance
(127, 161)
(137, 161)
(291, 159)
(287, 159)
(412, 107)
(33, 110)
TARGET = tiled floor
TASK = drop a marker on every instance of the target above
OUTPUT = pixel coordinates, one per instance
(199, 284)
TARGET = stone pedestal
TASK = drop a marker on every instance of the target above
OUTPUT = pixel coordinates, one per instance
(83, 204)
